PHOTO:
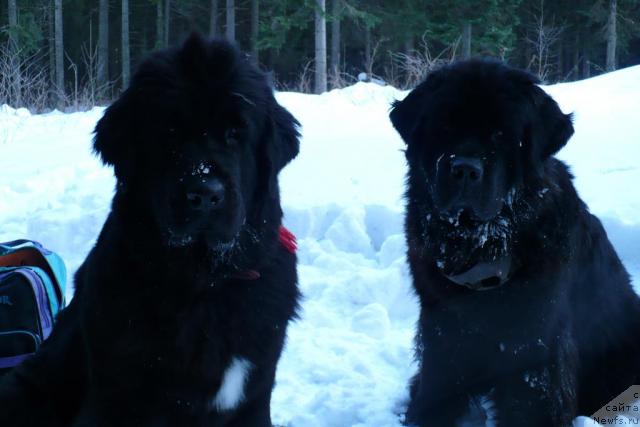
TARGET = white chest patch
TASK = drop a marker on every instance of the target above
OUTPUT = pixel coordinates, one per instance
(482, 412)
(234, 379)
(489, 410)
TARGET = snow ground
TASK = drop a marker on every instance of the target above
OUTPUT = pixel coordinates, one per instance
(347, 360)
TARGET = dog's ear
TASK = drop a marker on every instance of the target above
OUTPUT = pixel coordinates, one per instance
(282, 143)
(549, 128)
(113, 136)
(286, 144)
(553, 128)
(405, 114)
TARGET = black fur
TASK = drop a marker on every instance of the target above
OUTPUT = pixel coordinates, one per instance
(160, 307)
(562, 336)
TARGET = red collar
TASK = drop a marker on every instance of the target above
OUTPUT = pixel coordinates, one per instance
(286, 239)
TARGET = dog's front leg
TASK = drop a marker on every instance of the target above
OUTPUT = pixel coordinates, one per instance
(437, 399)
(543, 394)
(536, 397)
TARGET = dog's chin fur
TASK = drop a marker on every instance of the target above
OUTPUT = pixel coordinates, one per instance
(457, 241)
(457, 247)
(216, 245)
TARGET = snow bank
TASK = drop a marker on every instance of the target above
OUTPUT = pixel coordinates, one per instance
(348, 358)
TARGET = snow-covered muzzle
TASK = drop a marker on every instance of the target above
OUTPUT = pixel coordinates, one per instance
(472, 252)
(480, 254)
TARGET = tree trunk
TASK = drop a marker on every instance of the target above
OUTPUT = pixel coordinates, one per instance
(59, 53)
(466, 40)
(159, 24)
(612, 35)
(52, 45)
(575, 68)
(409, 45)
(321, 47)
(16, 80)
(103, 45)
(560, 67)
(12, 11)
(213, 20)
(586, 64)
(126, 58)
(336, 13)
(255, 20)
(368, 66)
(231, 21)
(167, 21)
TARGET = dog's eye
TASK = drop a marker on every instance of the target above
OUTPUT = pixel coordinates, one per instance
(231, 136)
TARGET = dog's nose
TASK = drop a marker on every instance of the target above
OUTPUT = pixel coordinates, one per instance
(466, 169)
(204, 195)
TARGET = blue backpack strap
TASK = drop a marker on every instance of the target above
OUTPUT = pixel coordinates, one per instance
(59, 275)
(16, 243)
(11, 361)
(55, 304)
(51, 267)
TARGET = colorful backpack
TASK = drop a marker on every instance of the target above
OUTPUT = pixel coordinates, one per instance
(32, 282)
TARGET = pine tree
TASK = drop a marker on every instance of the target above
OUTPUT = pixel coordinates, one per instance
(482, 27)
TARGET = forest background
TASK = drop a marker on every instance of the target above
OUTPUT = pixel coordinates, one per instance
(74, 54)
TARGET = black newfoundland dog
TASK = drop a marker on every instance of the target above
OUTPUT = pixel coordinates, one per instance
(527, 314)
(181, 308)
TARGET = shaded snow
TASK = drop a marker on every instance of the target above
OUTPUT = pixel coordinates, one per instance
(348, 359)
